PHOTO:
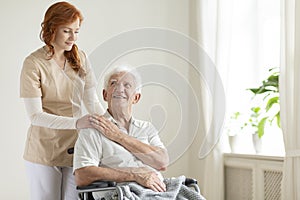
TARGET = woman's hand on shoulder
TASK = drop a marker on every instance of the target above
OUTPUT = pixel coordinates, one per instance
(84, 122)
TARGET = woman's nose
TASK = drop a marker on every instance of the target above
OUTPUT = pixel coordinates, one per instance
(73, 36)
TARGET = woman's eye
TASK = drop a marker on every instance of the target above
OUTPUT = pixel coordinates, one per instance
(69, 31)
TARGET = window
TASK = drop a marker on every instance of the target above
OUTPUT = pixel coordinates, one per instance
(254, 49)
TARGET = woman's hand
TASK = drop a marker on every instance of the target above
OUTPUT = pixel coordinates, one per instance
(106, 127)
(84, 122)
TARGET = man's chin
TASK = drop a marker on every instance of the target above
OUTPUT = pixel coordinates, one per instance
(119, 103)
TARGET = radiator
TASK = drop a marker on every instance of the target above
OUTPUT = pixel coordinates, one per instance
(252, 177)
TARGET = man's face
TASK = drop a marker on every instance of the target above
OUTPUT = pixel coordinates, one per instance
(121, 90)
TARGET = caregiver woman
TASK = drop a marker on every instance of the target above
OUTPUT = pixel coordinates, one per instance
(55, 80)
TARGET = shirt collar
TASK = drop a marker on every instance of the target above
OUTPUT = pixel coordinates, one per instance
(108, 116)
(133, 121)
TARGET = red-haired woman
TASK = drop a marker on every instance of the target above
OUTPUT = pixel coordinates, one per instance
(55, 80)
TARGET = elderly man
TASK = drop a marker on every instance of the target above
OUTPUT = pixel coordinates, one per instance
(120, 148)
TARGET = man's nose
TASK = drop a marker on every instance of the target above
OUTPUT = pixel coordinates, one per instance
(119, 87)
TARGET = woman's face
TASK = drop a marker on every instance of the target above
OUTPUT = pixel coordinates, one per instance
(65, 37)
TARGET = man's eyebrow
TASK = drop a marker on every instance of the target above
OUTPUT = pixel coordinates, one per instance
(113, 79)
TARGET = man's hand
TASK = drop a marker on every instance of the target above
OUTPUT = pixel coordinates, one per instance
(142, 175)
(149, 179)
(153, 156)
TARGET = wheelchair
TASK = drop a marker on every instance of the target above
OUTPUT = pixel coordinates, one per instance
(85, 192)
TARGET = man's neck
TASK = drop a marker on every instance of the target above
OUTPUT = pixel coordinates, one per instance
(122, 116)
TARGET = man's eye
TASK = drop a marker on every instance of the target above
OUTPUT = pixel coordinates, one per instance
(127, 85)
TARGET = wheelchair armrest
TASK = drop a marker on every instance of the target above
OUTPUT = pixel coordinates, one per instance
(189, 181)
(85, 192)
(98, 184)
(106, 184)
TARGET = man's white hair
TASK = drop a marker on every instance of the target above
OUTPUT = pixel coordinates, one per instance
(126, 69)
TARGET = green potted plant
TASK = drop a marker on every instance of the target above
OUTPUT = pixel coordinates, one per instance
(255, 124)
(268, 110)
(264, 111)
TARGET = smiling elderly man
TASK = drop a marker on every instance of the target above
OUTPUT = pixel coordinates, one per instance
(121, 148)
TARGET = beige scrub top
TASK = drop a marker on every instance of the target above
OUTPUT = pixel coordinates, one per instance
(61, 91)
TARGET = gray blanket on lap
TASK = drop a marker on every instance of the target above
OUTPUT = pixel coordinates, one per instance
(175, 190)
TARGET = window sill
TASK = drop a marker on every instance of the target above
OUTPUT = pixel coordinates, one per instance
(272, 145)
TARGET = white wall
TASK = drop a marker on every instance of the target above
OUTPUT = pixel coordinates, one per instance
(20, 26)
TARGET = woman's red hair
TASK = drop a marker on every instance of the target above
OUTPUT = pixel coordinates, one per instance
(59, 14)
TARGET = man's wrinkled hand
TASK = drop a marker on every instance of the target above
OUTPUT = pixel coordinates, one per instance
(149, 179)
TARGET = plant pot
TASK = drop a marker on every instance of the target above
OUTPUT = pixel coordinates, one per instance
(257, 143)
(233, 142)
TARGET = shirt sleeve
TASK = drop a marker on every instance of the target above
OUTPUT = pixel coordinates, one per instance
(39, 118)
(30, 79)
(154, 138)
(91, 80)
(87, 150)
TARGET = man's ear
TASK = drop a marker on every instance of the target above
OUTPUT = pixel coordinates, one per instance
(104, 95)
(136, 98)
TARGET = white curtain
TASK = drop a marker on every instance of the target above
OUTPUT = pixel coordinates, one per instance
(290, 97)
(211, 26)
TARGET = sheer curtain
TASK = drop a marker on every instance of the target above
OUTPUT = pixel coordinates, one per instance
(290, 97)
(211, 27)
